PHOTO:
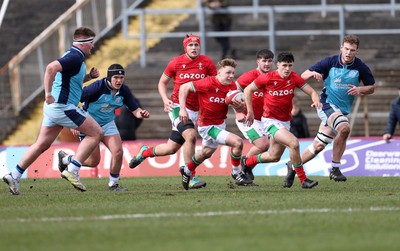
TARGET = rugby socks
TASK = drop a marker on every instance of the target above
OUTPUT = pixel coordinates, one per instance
(252, 161)
(17, 172)
(300, 172)
(74, 166)
(235, 160)
(193, 164)
(336, 164)
(114, 178)
(150, 152)
(67, 159)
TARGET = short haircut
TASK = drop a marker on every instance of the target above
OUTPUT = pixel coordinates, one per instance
(83, 32)
(285, 57)
(264, 53)
(351, 39)
(226, 62)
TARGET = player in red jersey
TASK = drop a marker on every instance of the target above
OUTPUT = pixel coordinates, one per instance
(211, 92)
(279, 89)
(255, 133)
(187, 67)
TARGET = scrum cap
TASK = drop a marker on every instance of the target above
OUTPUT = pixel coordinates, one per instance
(115, 69)
(190, 38)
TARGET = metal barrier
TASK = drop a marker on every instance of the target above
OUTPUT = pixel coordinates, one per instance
(270, 31)
(21, 80)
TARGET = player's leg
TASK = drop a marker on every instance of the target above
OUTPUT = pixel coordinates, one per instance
(94, 134)
(284, 137)
(338, 122)
(173, 144)
(47, 135)
(114, 144)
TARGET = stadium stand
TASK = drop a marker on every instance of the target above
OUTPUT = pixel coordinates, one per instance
(377, 51)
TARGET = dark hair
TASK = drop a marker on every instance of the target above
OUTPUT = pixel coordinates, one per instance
(83, 32)
(285, 57)
(264, 53)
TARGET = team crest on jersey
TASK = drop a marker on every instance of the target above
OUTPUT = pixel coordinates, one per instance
(118, 99)
(353, 73)
(200, 66)
(275, 82)
(183, 66)
(216, 90)
(288, 82)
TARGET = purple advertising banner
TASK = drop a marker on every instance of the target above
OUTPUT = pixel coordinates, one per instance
(363, 157)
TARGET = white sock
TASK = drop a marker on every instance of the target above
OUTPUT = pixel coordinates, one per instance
(236, 170)
(112, 181)
(187, 171)
(66, 160)
(15, 174)
(74, 168)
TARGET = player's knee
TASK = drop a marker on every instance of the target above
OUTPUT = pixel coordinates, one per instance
(184, 126)
(339, 122)
(294, 144)
(118, 153)
(237, 143)
(344, 130)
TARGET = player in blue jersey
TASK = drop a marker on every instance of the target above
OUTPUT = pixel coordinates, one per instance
(341, 75)
(101, 99)
(63, 81)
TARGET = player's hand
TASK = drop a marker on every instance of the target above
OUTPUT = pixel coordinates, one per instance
(386, 137)
(249, 118)
(183, 116)
(239, 106)
(94, 73)
(168, 106)
(354, 90)
(145, 114)
(317, 76)
(75, 132)
(316, 105)
(50, 100)
(239, 116)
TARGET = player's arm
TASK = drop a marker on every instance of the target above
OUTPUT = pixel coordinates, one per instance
(183, 93)
(307, 89)
(49, 76)
(361, 90)
(248, 94)
(162, 90)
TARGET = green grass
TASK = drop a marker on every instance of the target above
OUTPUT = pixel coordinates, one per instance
(157, 214)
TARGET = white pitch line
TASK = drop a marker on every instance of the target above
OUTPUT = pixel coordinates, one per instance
(203, 214)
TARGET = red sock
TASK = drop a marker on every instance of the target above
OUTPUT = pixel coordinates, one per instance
(252, 161)
(148, 153)
(300, 173)
(235, 160)
(192, 166)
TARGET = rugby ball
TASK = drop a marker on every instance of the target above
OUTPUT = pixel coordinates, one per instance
(234, 95)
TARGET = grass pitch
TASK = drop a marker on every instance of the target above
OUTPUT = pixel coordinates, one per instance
(158, 214)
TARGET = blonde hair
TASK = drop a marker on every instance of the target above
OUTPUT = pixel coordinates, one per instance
(226, 62)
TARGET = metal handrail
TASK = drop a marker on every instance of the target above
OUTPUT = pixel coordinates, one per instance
(271, 31)
(17, 76)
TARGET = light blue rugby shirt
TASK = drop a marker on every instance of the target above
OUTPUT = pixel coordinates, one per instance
(101, 105)
(337, 78)
(67, 85)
